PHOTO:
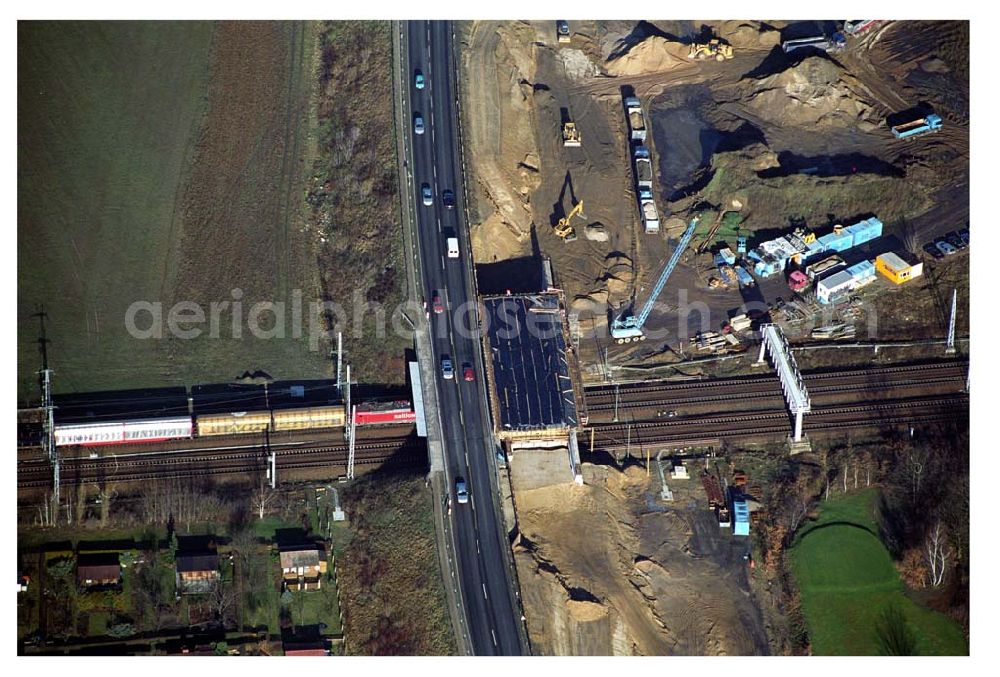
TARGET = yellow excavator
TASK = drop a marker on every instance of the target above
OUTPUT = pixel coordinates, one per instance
(563, 228)
(713, 48)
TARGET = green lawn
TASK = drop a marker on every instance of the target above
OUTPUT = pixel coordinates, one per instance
(260, 597)
(847, 582)
(311, 607)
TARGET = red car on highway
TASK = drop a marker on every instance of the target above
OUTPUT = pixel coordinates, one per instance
(436, 304)
(467, 373)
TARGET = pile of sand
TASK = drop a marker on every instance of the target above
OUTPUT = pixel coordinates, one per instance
(747, 34)
(578, 65)
(584, 611)
(814, 91)
(653, 55)
(596, 232)
(619, 274)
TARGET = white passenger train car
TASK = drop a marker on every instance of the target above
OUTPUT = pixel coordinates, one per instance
(123, 432)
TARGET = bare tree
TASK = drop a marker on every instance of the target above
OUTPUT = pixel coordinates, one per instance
(938, 553)
(262, 498)
(222, 601)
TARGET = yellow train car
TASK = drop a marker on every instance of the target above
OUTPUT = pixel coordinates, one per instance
(309, 418)
(306, 418)
(233, 424)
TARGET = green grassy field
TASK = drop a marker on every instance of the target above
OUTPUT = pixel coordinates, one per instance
(151, 167)
(107, 117)
(847, 582)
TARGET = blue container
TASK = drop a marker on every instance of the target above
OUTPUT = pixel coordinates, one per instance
(862, 271)
(837, 243)
(813, 249)
(865, 231)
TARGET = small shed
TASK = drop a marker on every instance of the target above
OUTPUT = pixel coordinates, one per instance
(830, 288)
(895, 269)
(197, 572)
(302, 567)
(741, 517)
(101, 569)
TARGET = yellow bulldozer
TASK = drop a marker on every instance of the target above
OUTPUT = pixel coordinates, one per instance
(570, 134)
(713, 48)
(563, 228)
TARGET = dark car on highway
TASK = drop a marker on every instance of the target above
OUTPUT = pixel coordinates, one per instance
(448, 198)
(964, 234)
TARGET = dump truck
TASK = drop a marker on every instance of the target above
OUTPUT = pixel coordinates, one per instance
(643, 172)
(650, 217)
(571, 135)
(714, 48)
(636, 118)
(930, 123)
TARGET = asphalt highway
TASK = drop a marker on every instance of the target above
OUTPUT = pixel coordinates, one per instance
(434, 158)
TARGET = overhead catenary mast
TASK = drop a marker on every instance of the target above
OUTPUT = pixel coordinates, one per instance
(950, 350)
(48, 425)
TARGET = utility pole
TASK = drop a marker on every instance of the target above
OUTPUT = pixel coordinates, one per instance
(272, 461)
(950, 350)
(340, 352)
(48, 426)
(350, 448)
(348, 427)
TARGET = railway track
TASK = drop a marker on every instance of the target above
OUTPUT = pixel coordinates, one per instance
(675, 393)
(149, 466)
(768, 423)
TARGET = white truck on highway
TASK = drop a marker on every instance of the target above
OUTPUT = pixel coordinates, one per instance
(636, 118)
(452, 247)
(650, 216)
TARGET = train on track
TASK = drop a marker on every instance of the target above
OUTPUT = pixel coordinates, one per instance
(163, 414)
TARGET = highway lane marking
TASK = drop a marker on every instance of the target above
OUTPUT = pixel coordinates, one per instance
(439, 226)
(494, 637)
(485, 596)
